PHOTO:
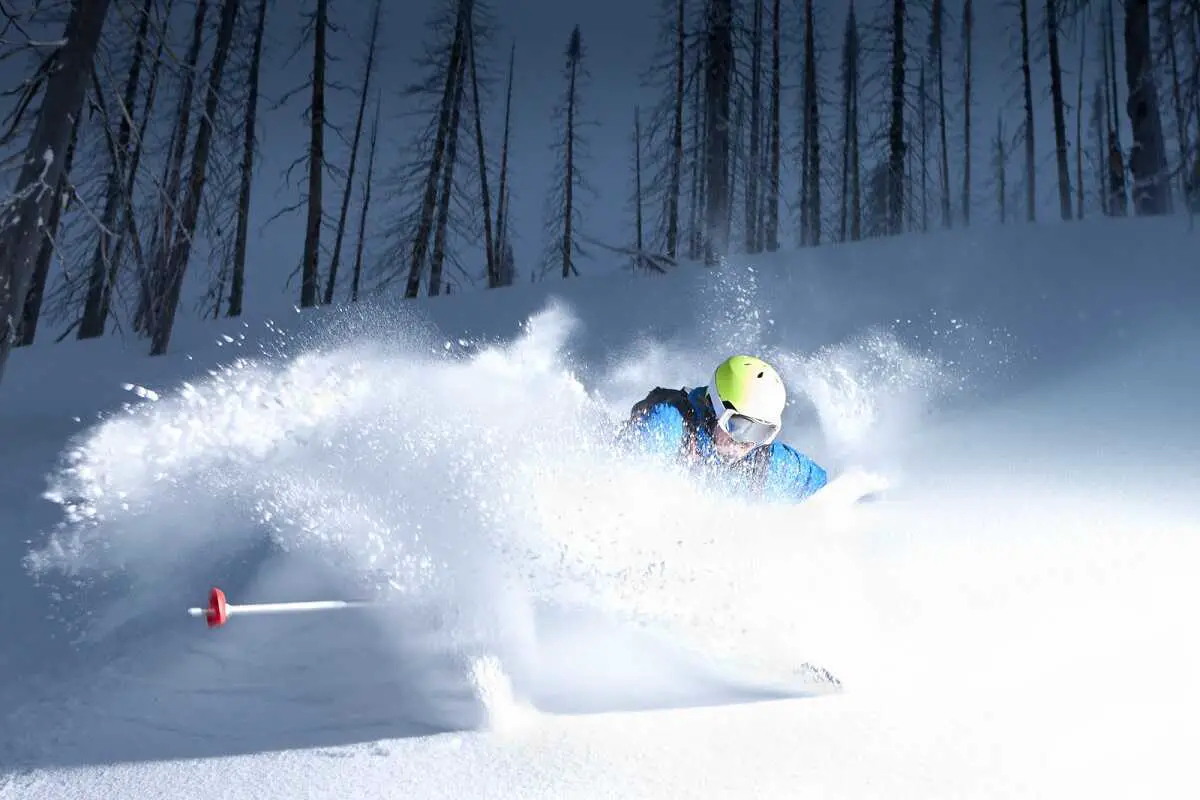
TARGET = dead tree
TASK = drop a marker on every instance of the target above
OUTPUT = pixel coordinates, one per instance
(96, 304)
(1118, 201)
(356, 280)
(1168, 19)
(431, 193)
(438, 255)
(968, 35)
(1079, 147)
(181, 246)
(309, 264)
(717, 96)
(1030, 149)
(24, 211)
(1059, 109)
(671, 74)
(771, 236)
(563, 209)
(1147, 157)
(896, 145)
(489, 243)
(502, 246)
(850, 219)
(754, 175)
(37, 287)
(237, 286)
(336, 256)
(810, 201)
(639, 243)
(154, 275)
(938, 62)
(1000, 156)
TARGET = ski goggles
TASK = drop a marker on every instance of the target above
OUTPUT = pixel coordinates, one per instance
(740, 427)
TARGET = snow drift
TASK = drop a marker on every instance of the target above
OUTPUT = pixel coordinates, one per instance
(991, 620)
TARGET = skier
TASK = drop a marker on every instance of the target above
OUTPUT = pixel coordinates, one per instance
(728, 427)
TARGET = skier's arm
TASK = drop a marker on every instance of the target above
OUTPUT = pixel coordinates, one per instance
(791, 475)
(658, 430)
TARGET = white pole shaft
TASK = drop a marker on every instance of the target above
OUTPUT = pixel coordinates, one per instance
(282, 608)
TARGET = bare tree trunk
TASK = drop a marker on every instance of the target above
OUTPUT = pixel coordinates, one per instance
(676, 188)
(695, 209)
(420, 245)
(923, 114)
(130, 233)
(21, 218)
(754, 163)
(735, 138)
(968, 99)
(356, 282)
(438, 256)
(182, 249)
(489, 243)
(1099, 128)
(1079, 125)
(812, 131)
(310, 277)
(940, 77)
(772, 227)
(153, 283)
(502, 192)
(1147, 158)
(336, 257)
(574, 53)
(719, 77)
(1030, 150)
(27, 329)
(237, 285)
(1060, 123)
(1118, 202)
(847, 124)
(1170, 29)
(896, 145)
(639, 242)
(1000, 159)
(95, 310)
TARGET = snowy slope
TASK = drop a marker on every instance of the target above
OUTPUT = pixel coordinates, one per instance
(1010, 620)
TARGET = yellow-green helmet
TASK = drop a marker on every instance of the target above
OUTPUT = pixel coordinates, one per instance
(750, 386)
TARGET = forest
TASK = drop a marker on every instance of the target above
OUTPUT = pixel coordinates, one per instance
(131, 143)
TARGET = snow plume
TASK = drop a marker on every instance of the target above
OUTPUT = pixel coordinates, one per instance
(477, 480)
(868, 394)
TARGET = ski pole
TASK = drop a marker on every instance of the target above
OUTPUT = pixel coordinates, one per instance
(219, 610)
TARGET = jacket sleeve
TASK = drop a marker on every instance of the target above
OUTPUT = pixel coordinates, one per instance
(791, 475)
(658, 431)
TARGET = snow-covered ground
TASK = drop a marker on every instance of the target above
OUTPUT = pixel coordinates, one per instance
(1013, 618)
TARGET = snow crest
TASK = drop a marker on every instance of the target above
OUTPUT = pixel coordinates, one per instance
(479, 480)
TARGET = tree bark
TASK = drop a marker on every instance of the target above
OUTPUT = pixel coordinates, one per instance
(237, 285)
(336, 257)
(316, 164)
(1147, 158)
(21, 218)
(182, 249)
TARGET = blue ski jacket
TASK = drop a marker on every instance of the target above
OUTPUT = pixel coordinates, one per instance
(670, 423)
